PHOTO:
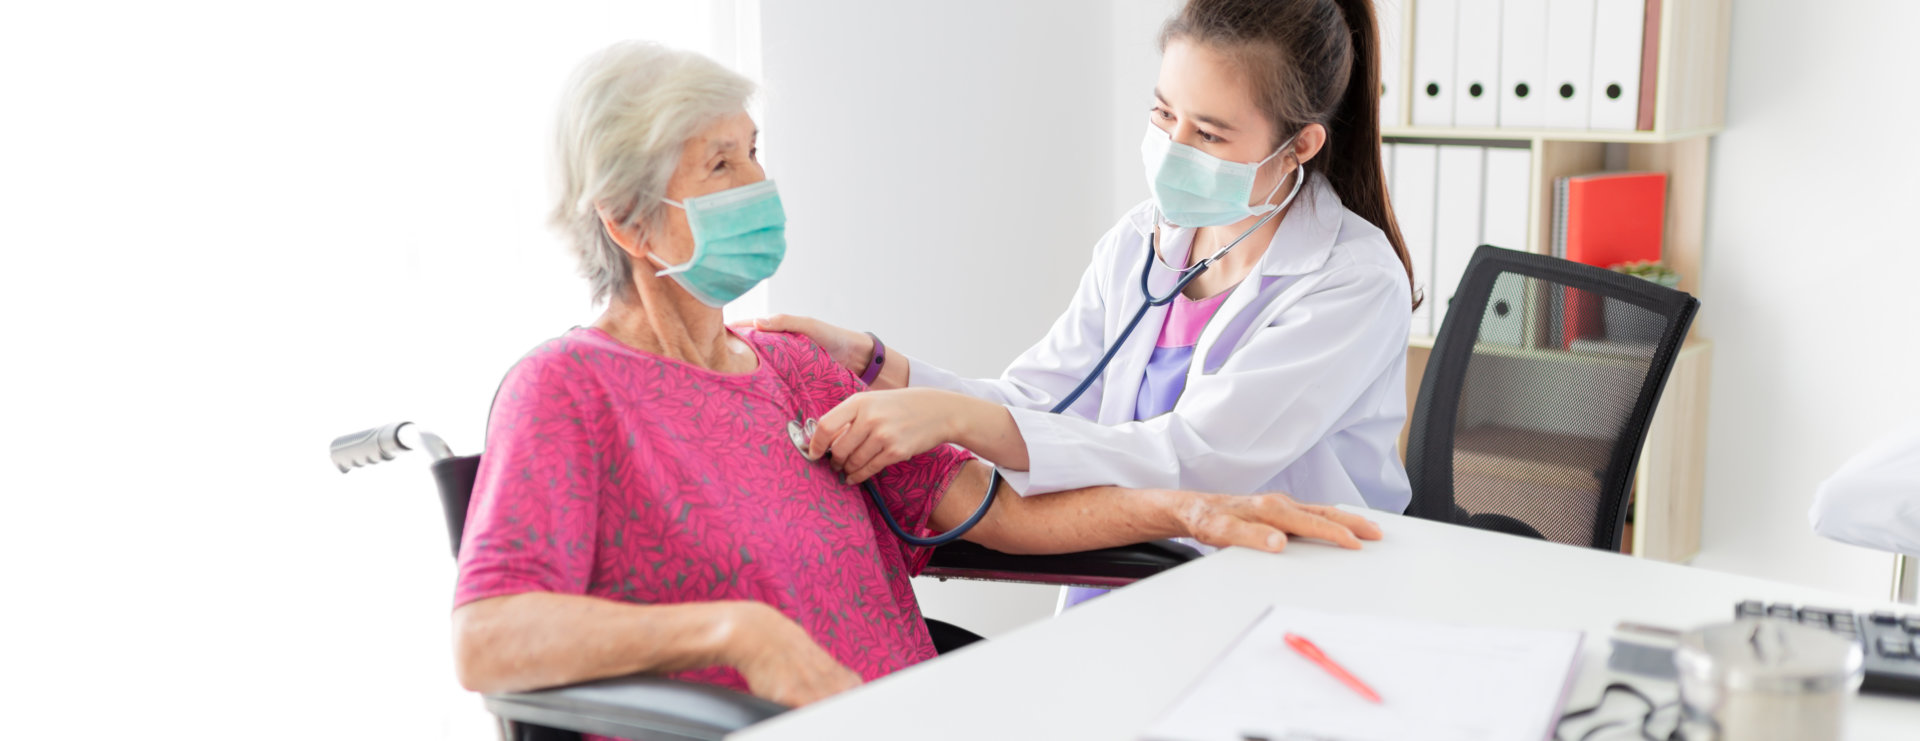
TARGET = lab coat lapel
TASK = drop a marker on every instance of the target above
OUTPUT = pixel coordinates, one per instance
(1120, 388)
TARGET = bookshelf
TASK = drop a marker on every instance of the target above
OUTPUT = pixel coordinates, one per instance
(1690, 94)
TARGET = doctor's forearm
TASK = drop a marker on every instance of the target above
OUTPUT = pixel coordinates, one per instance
(989, 431)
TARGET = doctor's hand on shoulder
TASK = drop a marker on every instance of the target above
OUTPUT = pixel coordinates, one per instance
(852, 350)
(875, 429)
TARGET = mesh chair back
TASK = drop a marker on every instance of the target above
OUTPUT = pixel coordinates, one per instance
(1538, 395)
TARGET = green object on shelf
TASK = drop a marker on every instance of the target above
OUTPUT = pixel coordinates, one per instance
(1652, 270)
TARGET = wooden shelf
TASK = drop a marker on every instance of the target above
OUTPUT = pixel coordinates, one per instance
(1544, 135)
(1689, 109)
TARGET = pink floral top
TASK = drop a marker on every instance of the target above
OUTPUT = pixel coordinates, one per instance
(615, 473)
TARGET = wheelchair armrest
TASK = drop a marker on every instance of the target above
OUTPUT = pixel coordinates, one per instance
(1107, 567)
(641, 708)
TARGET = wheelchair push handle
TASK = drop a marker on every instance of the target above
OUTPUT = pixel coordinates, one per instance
(367, 447)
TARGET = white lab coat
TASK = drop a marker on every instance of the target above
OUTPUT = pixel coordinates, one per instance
(1874, 500)
(1298, 384)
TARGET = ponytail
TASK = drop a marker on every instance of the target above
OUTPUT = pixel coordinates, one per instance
(1360, 177)
(1311, 61)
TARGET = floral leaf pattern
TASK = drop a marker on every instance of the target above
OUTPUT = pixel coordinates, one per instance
(619, 474)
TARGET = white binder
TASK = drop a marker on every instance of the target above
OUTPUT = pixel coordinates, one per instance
(1569, 63)
(1433, 56)
(1386, 167)
(1523, 64)
(1392, 19)
(1416, 175)
(1617, 26)
(1476, 68)
(1456, 222)
(1503, 222)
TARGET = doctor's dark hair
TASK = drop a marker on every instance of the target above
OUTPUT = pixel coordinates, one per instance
(1310, 61)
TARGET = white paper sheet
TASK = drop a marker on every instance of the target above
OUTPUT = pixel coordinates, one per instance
(1437, 682)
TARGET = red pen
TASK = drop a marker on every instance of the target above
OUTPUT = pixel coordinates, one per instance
(1313, 654)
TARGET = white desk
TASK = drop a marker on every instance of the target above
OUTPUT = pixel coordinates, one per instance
(1109, 668)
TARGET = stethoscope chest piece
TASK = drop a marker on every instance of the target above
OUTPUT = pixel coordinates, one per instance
(801, 433)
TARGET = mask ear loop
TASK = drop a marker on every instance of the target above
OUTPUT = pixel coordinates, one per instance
(1276, 186)
(666, 269)
(643, 238)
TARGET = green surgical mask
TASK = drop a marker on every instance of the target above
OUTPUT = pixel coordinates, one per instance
(739, 238)
(1193, 188)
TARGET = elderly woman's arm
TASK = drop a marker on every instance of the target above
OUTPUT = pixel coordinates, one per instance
(1107, 516)
(543, 639)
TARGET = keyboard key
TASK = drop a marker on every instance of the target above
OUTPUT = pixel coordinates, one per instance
(1752, 608)
(1781, 611)
(1911, 623)
(1896, 647)
(1885, 618)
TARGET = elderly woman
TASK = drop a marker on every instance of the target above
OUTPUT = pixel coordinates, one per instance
(645, 504)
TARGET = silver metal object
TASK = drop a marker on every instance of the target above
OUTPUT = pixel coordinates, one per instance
(367, 447)
(1645, 650)
(1906, 579)
(799, 436)
(1765, 680)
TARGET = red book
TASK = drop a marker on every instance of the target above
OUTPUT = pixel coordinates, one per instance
(1649, 65)
(1611, 218)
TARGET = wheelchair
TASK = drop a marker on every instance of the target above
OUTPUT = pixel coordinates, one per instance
(653, 708)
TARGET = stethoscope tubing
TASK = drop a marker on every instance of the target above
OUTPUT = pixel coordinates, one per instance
(1187, 275)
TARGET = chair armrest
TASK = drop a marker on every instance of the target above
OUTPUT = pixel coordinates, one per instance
(641, 708)
(1106, 568)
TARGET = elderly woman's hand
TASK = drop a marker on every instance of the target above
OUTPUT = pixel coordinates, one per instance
(1263, 522)
(782, 663)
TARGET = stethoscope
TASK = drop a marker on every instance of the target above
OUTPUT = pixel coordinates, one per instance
(1187, 275)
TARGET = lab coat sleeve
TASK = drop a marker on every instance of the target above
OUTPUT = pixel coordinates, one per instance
(1874, 500)
(1048, 370)
(1234, 430)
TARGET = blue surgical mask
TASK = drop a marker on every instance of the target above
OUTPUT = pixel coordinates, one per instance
(739, 238)
(1194, 189)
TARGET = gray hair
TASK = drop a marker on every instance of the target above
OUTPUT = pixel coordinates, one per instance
(625, 115)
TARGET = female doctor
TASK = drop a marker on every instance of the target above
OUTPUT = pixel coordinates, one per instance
(1280, 367)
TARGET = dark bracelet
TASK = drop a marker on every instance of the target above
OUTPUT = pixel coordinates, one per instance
(879, 359)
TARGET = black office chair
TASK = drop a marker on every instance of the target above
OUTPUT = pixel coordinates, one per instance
(651, 708)
(1538, 394)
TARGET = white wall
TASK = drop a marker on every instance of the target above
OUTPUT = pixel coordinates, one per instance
(232, 231)
(1134, 65)
(945, 166)
(1809, 286)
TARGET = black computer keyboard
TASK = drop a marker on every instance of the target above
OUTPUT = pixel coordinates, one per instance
(1889, 642)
